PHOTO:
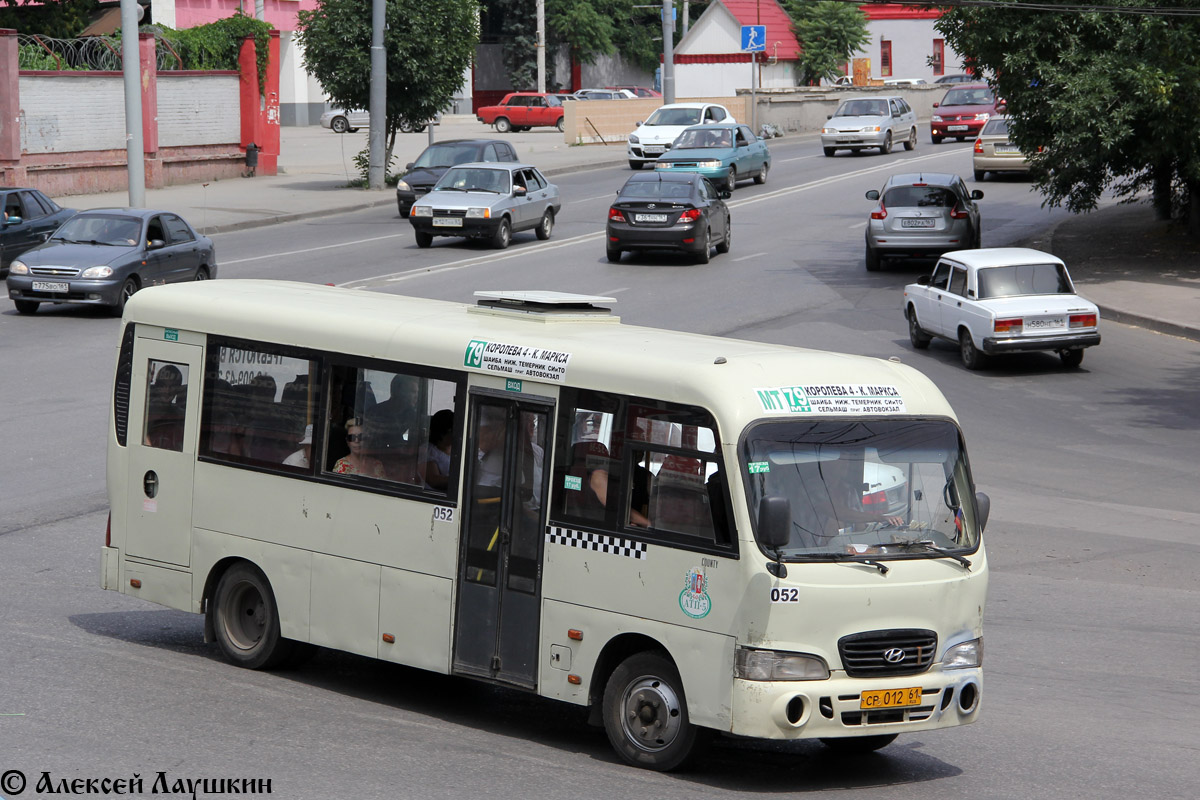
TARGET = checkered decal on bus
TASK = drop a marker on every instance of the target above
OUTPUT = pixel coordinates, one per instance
(596, 541)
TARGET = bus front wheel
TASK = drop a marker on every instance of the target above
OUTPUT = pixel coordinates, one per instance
(246, 619)
(645, 714)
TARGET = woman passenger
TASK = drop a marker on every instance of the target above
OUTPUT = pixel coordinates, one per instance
(357, 462)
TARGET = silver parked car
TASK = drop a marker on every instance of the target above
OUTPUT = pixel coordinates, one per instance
(487, 200)
(867, 122)
(339, 120)
(922, 215)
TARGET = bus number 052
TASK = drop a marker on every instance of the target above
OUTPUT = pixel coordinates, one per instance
(785, 595)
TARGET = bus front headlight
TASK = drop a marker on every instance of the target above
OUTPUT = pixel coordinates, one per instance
(775, 665)
(964, 656)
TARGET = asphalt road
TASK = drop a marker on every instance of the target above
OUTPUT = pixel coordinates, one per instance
(1091, 627)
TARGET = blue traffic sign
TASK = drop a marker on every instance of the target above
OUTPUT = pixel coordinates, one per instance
(754, 38)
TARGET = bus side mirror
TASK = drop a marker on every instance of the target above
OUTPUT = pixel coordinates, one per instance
(983, 504)
(774, 522)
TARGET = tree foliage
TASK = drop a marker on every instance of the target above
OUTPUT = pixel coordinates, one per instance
(61, 19)
(829, 33)
(217, 45)
(1113, 99)
(428, 47)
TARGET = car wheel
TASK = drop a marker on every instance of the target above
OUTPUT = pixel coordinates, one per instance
(960, 138)
(26, 306)
(503, 125)
(423, 239)
(419, 128)
(614, 255)
(886, 147)
(635, 164)
(201, 274)
(246, 619)
(829, 151)
(979, 175)
(911, 142)
(872, 259)
(559, 124)
(645, 714)
(405, 126)
(1071, 358)
(546, 226)
(858, 745)
(979, 236)
(727, 242)
(936, 139)
(971, 357)
(503, 234)
(128, 290)
(339, 125)
(705, 252)
(732, 178)
(761, 177)
(919, 338)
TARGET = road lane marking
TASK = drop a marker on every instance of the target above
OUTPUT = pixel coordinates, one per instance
(311, 249)
(747, 258)
(857, 225)
(590, 199)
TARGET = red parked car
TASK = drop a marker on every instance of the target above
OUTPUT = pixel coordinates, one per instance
(520, 111)
(963, 112)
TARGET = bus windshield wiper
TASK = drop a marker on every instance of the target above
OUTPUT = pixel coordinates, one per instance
(930, 547)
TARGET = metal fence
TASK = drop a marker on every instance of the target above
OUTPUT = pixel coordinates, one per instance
(85, 53)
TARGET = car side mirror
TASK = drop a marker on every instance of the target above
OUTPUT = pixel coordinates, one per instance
(726, 194)
(983, 504)
(829, 116)
(155, 244)
(408, 167)
(520, 191)
(923, 280)
(873, 194)
(935, 105)
(977, 195)
(637, 124)
(1001, 107)
(13, 221)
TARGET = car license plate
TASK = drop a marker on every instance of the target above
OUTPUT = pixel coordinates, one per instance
(1007, 150)
(46, 286)
(649, 217)
(956, 127)
(891, 698)
(655, 149)
(1045, 323)
(447, 222)
(916, 223)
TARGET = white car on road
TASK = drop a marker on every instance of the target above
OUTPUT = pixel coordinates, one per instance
(1001, 300)
(654, 136)
(866, 122)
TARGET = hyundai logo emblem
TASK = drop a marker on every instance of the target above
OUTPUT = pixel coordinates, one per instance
(650, 205)
(893, 655)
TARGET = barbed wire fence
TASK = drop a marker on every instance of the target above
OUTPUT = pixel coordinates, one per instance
(103, 53)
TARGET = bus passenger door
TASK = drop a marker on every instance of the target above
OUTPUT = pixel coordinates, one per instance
(499, 575)
(164, 406)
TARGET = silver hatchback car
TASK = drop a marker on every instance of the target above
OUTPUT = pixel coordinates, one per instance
(866, 122)
(922, 215)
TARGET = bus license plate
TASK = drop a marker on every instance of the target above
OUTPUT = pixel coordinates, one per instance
(447, 222)
(46, 286)
(891, 698)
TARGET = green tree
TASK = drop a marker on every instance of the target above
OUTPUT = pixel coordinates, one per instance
(61, 19)
(428, 48)
(1112, 99)
(829, 33)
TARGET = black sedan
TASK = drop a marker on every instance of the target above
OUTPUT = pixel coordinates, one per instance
(676, 211)
(28, 220)
(420, 176)
(102, 257)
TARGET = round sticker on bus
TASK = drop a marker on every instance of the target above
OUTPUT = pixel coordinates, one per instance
(694, 599)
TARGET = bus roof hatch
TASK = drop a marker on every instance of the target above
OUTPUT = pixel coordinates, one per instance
(544, 303)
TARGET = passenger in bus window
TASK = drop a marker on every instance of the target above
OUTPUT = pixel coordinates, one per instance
(436, 454)
(301, 457)
(166, 402)
(357, 462)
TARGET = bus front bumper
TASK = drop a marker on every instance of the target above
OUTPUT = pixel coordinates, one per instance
(832, 708)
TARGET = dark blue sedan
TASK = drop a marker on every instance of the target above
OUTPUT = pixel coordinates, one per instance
(101, 257)
(28, 219)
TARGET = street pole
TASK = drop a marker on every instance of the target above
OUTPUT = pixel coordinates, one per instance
(376, 169)
(131, 68)
(668, 67)
(685, 17)
(541, 45)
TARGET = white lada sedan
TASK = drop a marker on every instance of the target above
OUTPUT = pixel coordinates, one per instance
(1001, 300)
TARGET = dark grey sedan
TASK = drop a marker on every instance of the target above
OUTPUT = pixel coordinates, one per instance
(102, 257)
(28, 219)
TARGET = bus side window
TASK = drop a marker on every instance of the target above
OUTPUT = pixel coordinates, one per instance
(166, 403)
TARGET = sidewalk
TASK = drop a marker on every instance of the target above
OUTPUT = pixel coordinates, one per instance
(1138, 270)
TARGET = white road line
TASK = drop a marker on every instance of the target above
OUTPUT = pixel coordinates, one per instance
(224, 263)
(797, 158)
(858, 225)
(616, 291)
(590, 199)
(395, 277)
(747, 258)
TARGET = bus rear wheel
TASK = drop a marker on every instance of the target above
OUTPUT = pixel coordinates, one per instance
(645, 714)
(246, 619)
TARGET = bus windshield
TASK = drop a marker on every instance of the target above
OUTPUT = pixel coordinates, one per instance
(864, 489)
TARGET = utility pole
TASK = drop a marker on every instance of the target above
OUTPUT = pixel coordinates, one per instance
(686, 20)
(376, 169)
(541, 45)
(668, 67)
(131, 68)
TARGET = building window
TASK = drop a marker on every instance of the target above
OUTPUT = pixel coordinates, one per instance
(939, 56)
(885, 58)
